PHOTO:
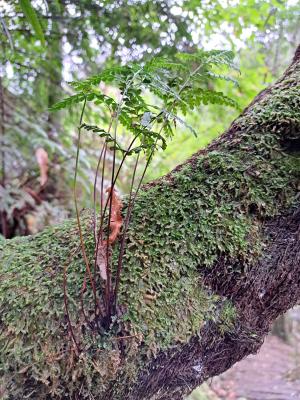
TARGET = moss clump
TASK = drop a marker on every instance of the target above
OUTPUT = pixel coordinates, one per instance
(227, 317)
(212, 207)
(37, 356)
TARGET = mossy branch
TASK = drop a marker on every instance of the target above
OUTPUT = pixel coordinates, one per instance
(212, 258)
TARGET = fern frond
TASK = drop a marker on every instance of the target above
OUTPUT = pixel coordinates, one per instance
(178, 84)
(69, 101)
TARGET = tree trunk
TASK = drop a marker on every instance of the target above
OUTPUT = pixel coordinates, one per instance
(212, 258)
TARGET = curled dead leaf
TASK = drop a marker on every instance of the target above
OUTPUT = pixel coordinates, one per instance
(43, 162)
(115, 226)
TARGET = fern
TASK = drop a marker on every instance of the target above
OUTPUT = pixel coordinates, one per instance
(178, 85)
(175, 87)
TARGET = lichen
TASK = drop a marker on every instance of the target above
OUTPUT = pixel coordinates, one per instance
(213, 206)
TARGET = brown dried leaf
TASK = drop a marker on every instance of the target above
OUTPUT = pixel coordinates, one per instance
(116, 219)
(115, 228)
(43, 162)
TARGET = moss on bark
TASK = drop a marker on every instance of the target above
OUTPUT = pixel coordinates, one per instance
(212, 207)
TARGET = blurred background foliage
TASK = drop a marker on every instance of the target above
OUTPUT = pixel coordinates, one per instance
(46, 43)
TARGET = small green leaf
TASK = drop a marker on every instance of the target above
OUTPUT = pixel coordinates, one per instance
(32, 18)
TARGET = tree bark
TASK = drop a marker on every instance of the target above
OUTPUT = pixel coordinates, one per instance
(213, 257)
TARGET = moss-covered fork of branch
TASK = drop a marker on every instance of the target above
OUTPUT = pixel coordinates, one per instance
(200, 281)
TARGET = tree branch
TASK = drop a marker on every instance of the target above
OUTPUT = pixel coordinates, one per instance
(212, 259)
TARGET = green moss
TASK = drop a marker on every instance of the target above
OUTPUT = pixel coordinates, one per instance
(31, 307)
(213, 206)
(227, 317)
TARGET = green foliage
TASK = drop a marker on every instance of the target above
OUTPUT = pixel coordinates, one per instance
(176, 87)
(32, 18)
